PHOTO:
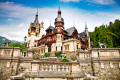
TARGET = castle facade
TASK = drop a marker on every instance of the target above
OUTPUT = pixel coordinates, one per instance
(57, 38)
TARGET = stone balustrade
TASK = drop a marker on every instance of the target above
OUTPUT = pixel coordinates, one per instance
(48, 66)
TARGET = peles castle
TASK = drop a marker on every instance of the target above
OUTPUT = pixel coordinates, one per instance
(60, 54)
(57, 38)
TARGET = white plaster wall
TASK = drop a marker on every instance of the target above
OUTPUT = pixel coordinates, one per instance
(53, 47)
(46, 49)
(59, 44)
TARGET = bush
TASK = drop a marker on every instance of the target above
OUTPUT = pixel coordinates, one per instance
(58, 54)
(64, 60)
(47, 54)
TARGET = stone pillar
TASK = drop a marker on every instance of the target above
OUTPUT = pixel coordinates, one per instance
(58, 67)
(62, 67)
(42, 67)
(67, 68)
(50, 68)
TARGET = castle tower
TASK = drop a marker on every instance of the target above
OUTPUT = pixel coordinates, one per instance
(86, 29)
(88, 36)
(59, 27)
(34, 32)
(41, 29)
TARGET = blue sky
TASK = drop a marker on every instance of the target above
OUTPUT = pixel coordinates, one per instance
(16, 15)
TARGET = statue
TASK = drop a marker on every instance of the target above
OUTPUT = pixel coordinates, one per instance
(102, 44)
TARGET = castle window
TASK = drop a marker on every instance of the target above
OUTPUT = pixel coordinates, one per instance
(48, 39)
(66, 47)
(49, 49)
(77, 46)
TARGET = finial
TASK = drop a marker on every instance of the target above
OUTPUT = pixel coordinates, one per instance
(37, 12)
(59, 5)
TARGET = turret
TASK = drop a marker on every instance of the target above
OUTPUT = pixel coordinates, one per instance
(59, 22)
(34, 32)
(86, 29)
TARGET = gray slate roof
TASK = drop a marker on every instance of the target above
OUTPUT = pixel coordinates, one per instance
(50, 27)
(59, 18)
(71, 30)
(82, 35)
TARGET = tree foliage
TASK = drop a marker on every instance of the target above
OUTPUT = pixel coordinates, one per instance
(17, 45)
(47, 54)
(109, 35)
(58, 54)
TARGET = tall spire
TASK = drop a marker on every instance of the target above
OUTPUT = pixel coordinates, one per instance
(86, 26)
(59, 7)
(59, 11)
(86, 29)
(36, 18)
(37, 12)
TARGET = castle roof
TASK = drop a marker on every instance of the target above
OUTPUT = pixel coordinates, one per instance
(59, 18)
(50, 27)
(36, 20)
(82, 35)
(71, 30)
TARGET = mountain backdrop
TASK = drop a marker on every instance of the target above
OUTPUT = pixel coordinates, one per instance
(4, 39)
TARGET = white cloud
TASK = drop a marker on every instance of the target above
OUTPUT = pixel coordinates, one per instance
(70, 0)
(103, 2)
(9, 19)
(18, 31)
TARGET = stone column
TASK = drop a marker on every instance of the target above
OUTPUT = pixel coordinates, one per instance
(58, 67)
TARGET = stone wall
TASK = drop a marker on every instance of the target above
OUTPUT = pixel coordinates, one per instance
(7, 69)
(104, 71)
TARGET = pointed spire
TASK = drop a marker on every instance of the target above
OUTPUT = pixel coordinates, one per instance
(59, 6)
(37, 12)
(36, 19)
(86, 29)
(85, 25)
(59, 11)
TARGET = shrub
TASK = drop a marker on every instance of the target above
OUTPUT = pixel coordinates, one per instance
(47, 54)
(58, 54)
(64, 60)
